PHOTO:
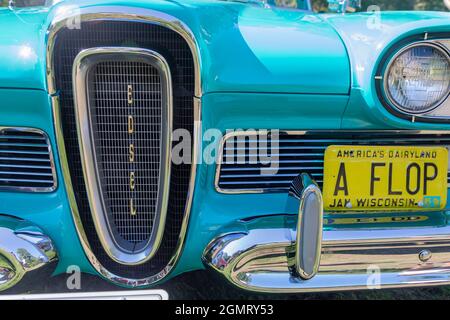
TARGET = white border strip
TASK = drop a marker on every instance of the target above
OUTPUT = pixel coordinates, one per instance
(104, 295)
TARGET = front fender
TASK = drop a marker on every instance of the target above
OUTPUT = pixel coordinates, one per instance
(22, 48)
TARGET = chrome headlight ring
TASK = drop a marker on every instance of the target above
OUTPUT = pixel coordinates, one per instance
(437, 110)
(396, 66)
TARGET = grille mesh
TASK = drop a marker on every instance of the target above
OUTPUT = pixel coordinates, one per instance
(25, 161)
(177, 53)
(110, 83)
(293, 154)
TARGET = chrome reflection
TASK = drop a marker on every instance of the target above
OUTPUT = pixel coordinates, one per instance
(24, 249)
(258, 256)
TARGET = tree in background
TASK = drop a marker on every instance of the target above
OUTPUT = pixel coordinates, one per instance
(321, 5)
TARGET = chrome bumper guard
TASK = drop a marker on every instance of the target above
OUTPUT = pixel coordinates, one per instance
(288, 253)
(24, 252)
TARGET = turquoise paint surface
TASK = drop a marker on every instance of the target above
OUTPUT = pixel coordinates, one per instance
(22, 49)
(261, 68)
(272, 50)
(268, 51)
(367, 43)
(212, 211)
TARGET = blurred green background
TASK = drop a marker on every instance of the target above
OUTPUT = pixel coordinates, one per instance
(321, 5)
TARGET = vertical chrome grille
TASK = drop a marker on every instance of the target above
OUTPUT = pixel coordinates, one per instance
(112, 140)
(123, 108)
(26, 162)
(108, 33)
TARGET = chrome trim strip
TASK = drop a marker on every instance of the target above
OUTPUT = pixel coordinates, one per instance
(121, 13)
(294, 132)
(255, 256)
(83, 63)
(52, 162)
(24, 249)
(435, 44)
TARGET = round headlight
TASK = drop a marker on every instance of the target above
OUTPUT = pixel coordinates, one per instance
(417, 79)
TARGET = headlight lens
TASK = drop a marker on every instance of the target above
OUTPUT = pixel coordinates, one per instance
(418, 78)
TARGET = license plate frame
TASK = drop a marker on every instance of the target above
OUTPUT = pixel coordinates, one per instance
(355, 190)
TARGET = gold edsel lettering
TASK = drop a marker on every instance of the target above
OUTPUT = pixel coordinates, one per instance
(130, 124)
(130, 94)
(132, 181)
(133, 210)
(131, 152)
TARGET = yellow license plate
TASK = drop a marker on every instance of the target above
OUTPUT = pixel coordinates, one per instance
(391, 178)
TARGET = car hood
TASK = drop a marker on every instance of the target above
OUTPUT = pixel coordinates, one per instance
(248, 48)
(242, 47)
(368, 36)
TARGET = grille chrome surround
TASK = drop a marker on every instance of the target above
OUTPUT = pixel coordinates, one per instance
(26, 161)
(303, 152)
(137, 15)
(111, 236)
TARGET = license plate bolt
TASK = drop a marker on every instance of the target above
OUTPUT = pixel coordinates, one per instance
(425, 255)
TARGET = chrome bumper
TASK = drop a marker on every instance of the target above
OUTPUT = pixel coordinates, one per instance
(24, 251)
(262, 255)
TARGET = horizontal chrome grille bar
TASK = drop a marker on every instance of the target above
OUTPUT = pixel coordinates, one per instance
(237, 156)
(27, 180)
(247, 164)
(10, 137)
(269, 169)
(23, 151)
(26, 161)
(18, 173)
(14, 144)
(280, 147)
(238, 139)
(277, 175)
(23, 166)
(256, 182)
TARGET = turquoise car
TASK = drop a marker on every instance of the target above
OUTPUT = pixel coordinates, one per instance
(283, 150)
